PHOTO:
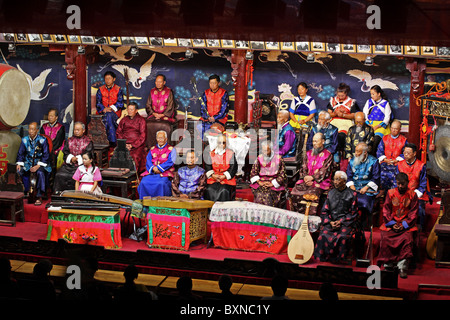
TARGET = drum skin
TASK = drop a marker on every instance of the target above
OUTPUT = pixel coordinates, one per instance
(15, 97)
(9, 143)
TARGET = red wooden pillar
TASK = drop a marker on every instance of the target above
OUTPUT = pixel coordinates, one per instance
(417, 68)
(76, 71)
(239, 74)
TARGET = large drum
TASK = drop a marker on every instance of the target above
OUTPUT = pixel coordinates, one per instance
(9, 146)
(15, 97)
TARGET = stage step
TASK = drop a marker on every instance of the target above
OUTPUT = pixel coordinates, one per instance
(167, 285)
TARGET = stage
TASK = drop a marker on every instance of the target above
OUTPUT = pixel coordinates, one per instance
(27, 242)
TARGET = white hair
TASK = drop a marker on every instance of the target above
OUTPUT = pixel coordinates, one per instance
(326, 114)
(283, 111)
(341, 174)
(165, 133)
(267, 143)
(364, 146)
(80, 123)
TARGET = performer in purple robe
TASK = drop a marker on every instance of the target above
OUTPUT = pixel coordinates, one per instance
(189, 181)
(268, 177)
(73, 149)
(161, 110)
(339, 217)
(160, 169)
(34, 145)
(287, 139)
(57, 133)
(133, 129)
(400, 212)
(315, 175)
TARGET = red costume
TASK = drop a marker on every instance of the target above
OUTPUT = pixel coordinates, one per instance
(134, 131)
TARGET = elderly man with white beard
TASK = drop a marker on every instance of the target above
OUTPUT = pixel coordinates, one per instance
(363, 174)
(314, 175)
(359, 132)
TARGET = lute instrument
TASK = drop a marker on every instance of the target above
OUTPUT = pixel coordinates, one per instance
(301, 246)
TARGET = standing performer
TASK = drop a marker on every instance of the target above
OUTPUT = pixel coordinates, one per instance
(268, 177)
(161, 110)
(34, 157)
(133, 129)
(390, 153)
(342, 109)
(55, 131)
(160, 169)
(189, 181)
(221, 168)
(378, 114)
(110, 104)
(214, 106)
(303, 107)
(74, 147)
(400, 215)
(417, 176)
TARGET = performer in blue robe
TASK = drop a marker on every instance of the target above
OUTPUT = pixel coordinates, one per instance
(363, 174)
(156, 179)
(330, 133)
(37, 146)
(189, 181)
(287, 138)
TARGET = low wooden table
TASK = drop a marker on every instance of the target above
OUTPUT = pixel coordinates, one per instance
(121, 181)
(174, 223)
(100, 228)
(15, 202)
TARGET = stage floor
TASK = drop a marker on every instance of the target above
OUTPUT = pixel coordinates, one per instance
(425, 273)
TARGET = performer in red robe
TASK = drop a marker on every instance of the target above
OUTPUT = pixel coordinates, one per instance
(133, 129)
(73, 149)
(400, 213)
(161, 110)
(221, 168)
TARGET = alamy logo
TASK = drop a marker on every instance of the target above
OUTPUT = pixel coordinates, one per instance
(374, 20)
(374, 280)
(74, 20)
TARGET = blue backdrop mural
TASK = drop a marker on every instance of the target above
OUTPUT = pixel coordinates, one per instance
(275, 72)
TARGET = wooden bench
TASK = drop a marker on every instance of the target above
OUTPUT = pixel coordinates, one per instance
(15, 202)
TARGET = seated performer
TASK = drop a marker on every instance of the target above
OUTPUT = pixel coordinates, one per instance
(363, 176)
(268, 177)
(329, 131)
(214, 106)
(400, 215)
(34, 157)
(417, 176)
(161, 110)
(74, 147)
(221, 168)
(389, 153)
(378, 114)
(359, 132)
(88, 176)
(160, 169)
(287, 139)
(133, 129)
(339, 217)
(109, 102)
(314, 176)
(55, 131)
(189, 181)
(303, 107)
(342, 109)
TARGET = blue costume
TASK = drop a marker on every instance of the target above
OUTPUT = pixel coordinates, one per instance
(331, 139)
(191, 182)
(158, 184)
(367, 173)
(302, 108)
(287, 141)
(378, 113)
(390, 148)
(38, 147)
